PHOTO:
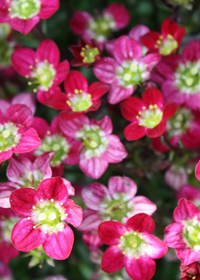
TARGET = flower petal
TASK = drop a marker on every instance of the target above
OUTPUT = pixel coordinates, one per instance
(112, 260)
(48, 50)
(111, 231)
(74, 213)
(141, 222)
(134, 132)
(76, 81)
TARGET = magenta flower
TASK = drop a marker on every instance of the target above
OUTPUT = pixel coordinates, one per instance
(24, 15)
(190, 193)
(16, 133)
(131, 246)
(147, 115)
(117, 202)
(179, 76)
(113, 18)
(126, 70)
(45, 212)
(80, 97)
(42, 66)
(99, 146)
(183, 234)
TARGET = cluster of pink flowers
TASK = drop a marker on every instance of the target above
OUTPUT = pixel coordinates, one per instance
(35, 208)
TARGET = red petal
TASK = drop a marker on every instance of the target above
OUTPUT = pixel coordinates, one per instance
(112, 260)
(130, 108)
(75, 213)
(48, 50)
(97, 89)
(141, 222)
(150, 39)
(156, 131)
(134, 132)
(152, 96)
(75, 80)
(19, 114)
(48, 8)
(22, 59)
(111, 231)
(169, 110)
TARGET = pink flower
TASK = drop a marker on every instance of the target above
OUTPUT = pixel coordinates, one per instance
(45, 212)
(66, 149)
(127, 70)
(191, 271)
(99, 146)
(80, 97)
(183, 233)
(148, 115)
(131, 246)
(176, 176)
(117, 202)
(179, 76)
(166, 42)
(42, 66)
(16, 133)
(24, 15)
(190, 193)
(113, 18)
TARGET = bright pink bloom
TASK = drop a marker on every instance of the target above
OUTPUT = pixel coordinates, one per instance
(117, 202)
(66, 149)
(16, 133)
(166, 42)
(7, 221)
(127, 70)
(86, 53)
(191, 271)
(148, 115)
(179, 76)
(24, 15)
(80, 97)
(42, 66)
(113, 18)
(183, 234)
(45, 212)
(176, 176)
(190, 193)
(23, 173)
(131, 246)
(99, 146)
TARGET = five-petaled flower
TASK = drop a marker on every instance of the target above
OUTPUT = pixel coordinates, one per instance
(148, 115)
(131, 246)
(45, 212)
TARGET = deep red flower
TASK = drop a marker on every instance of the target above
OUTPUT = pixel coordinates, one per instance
(148, 115)
(190, 272)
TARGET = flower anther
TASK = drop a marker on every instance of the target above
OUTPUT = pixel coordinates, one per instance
(150, 117)
(166, 45)
(88, 53)
(80, 101)
(132, 244)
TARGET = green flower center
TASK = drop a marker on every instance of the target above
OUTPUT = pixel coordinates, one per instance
(88, 53)
(8, 136)
(100, 27)
(191, 234)
(57, 144)
(167, 45)
(43, 75)
(151, 117)
(187, 77)
(80, 101)
(180, 122)
(132, 244)
(49, 216)
(116, 209)
(94, 140)
(24, 9)
(131, 73)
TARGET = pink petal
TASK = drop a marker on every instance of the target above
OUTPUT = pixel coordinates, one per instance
(75, 213)
(155, 248)
(134, 132)
(79, 22)
(27, 99)
(19, 114)
(188, 255)
(197, 170)
(115, 151)
(142, 268)
(112, 260)
(48, 50)
(22, 201)
(119, 13)
(75, 80)
(186, 210)
(118, 93)
(138, 31)
(93, 167)
(111, 231)
(4, 105)
(173, 236)
(97, 89)
(41, 126)
(53, 188)
(24, 26)
(127, 49)
(5, 155)
(61, 72)
(74, 153)
(5, 191)
(105, 69)
(22, 59)
(28, 141)
(91, 221)
(25, 238)
(71, 127)
(18, 169)
(48, 8)
(42, 164)
(94, 194)
(122, 185)
(105, 124)
(143, 205)
(151, 60)
(141, 222)
(59, 245)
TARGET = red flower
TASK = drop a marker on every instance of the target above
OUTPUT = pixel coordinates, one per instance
(190, 272)
(86, 53)
(166, 42)
(148, 115)
(131, 246)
